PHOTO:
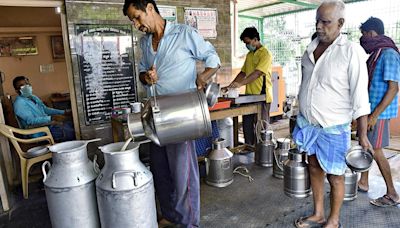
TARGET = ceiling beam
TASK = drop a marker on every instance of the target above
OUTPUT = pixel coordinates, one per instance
(260, 6)
(299, 3)
(251, 17)
(287, 12)
(352, 1)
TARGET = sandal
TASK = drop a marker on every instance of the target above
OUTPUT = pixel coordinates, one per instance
(362, 189)
(302, 222)
(384, 201)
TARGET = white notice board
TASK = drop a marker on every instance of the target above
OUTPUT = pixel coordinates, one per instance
(205, 20)
(168, 13)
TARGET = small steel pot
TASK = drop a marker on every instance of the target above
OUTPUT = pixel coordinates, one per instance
(358, 159)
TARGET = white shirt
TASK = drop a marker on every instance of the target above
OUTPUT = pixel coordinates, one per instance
(334, 90)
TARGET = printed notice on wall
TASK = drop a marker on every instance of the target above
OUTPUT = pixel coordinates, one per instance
(205, 20)
(106, 71)
(168, 13)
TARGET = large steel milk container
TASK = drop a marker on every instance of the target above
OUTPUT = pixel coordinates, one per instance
(70, 186)
(296, 176)
(125, 189)
(219, 167)
(173, 118)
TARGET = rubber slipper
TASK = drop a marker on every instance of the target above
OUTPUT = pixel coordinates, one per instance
(302, 222)
(384, 201)
(361, 189)
(339, 225)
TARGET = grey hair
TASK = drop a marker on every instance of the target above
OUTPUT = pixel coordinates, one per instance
(339, 5)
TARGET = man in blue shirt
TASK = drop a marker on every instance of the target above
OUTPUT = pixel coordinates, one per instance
(170, 52)
(384, 75)
(31, 112)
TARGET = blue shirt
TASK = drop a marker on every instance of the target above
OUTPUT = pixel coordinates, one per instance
(387, 69)
(31, 111)
(175, 59)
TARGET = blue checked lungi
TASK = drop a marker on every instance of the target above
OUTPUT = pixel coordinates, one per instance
(329, 145)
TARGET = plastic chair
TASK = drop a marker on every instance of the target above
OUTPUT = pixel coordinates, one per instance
(31, 156)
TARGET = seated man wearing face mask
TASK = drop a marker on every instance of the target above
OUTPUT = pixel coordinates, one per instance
(31, 112)
(256, 75)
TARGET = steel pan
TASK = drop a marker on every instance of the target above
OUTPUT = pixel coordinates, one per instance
(358, 159)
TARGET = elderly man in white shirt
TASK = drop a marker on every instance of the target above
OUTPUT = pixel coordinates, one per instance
(334, 90)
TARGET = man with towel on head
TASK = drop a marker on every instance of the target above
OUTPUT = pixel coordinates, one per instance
(384, 75)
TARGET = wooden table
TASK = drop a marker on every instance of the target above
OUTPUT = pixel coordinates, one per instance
(234, 112)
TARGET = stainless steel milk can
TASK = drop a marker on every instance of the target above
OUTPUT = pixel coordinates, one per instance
(70, 186)
(280, 155)
(296, 177)
(173, 118)
(219, 167)
(264, 148)
(125, 189)
(350, 185)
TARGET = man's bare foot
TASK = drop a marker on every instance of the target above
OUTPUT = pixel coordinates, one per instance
(332, 225)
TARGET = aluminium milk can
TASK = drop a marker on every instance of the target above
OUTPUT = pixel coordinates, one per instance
(219, 167)
(280, 155)
(70, 186)
(125, 189)
(350, 185)
(296, 176)
(173, 118)
(264, 149)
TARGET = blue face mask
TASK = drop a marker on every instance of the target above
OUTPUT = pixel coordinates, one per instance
(250, 47)
(26, 91)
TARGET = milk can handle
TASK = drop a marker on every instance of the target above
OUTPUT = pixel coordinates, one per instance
(123, 172)
(277, 161)
(46, 163)
(260, 127)
(95, 165)
(153, 91)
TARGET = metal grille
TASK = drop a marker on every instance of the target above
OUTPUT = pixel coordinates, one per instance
(287, 36)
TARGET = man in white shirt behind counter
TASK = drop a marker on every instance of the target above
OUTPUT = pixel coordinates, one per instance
(334, 90)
